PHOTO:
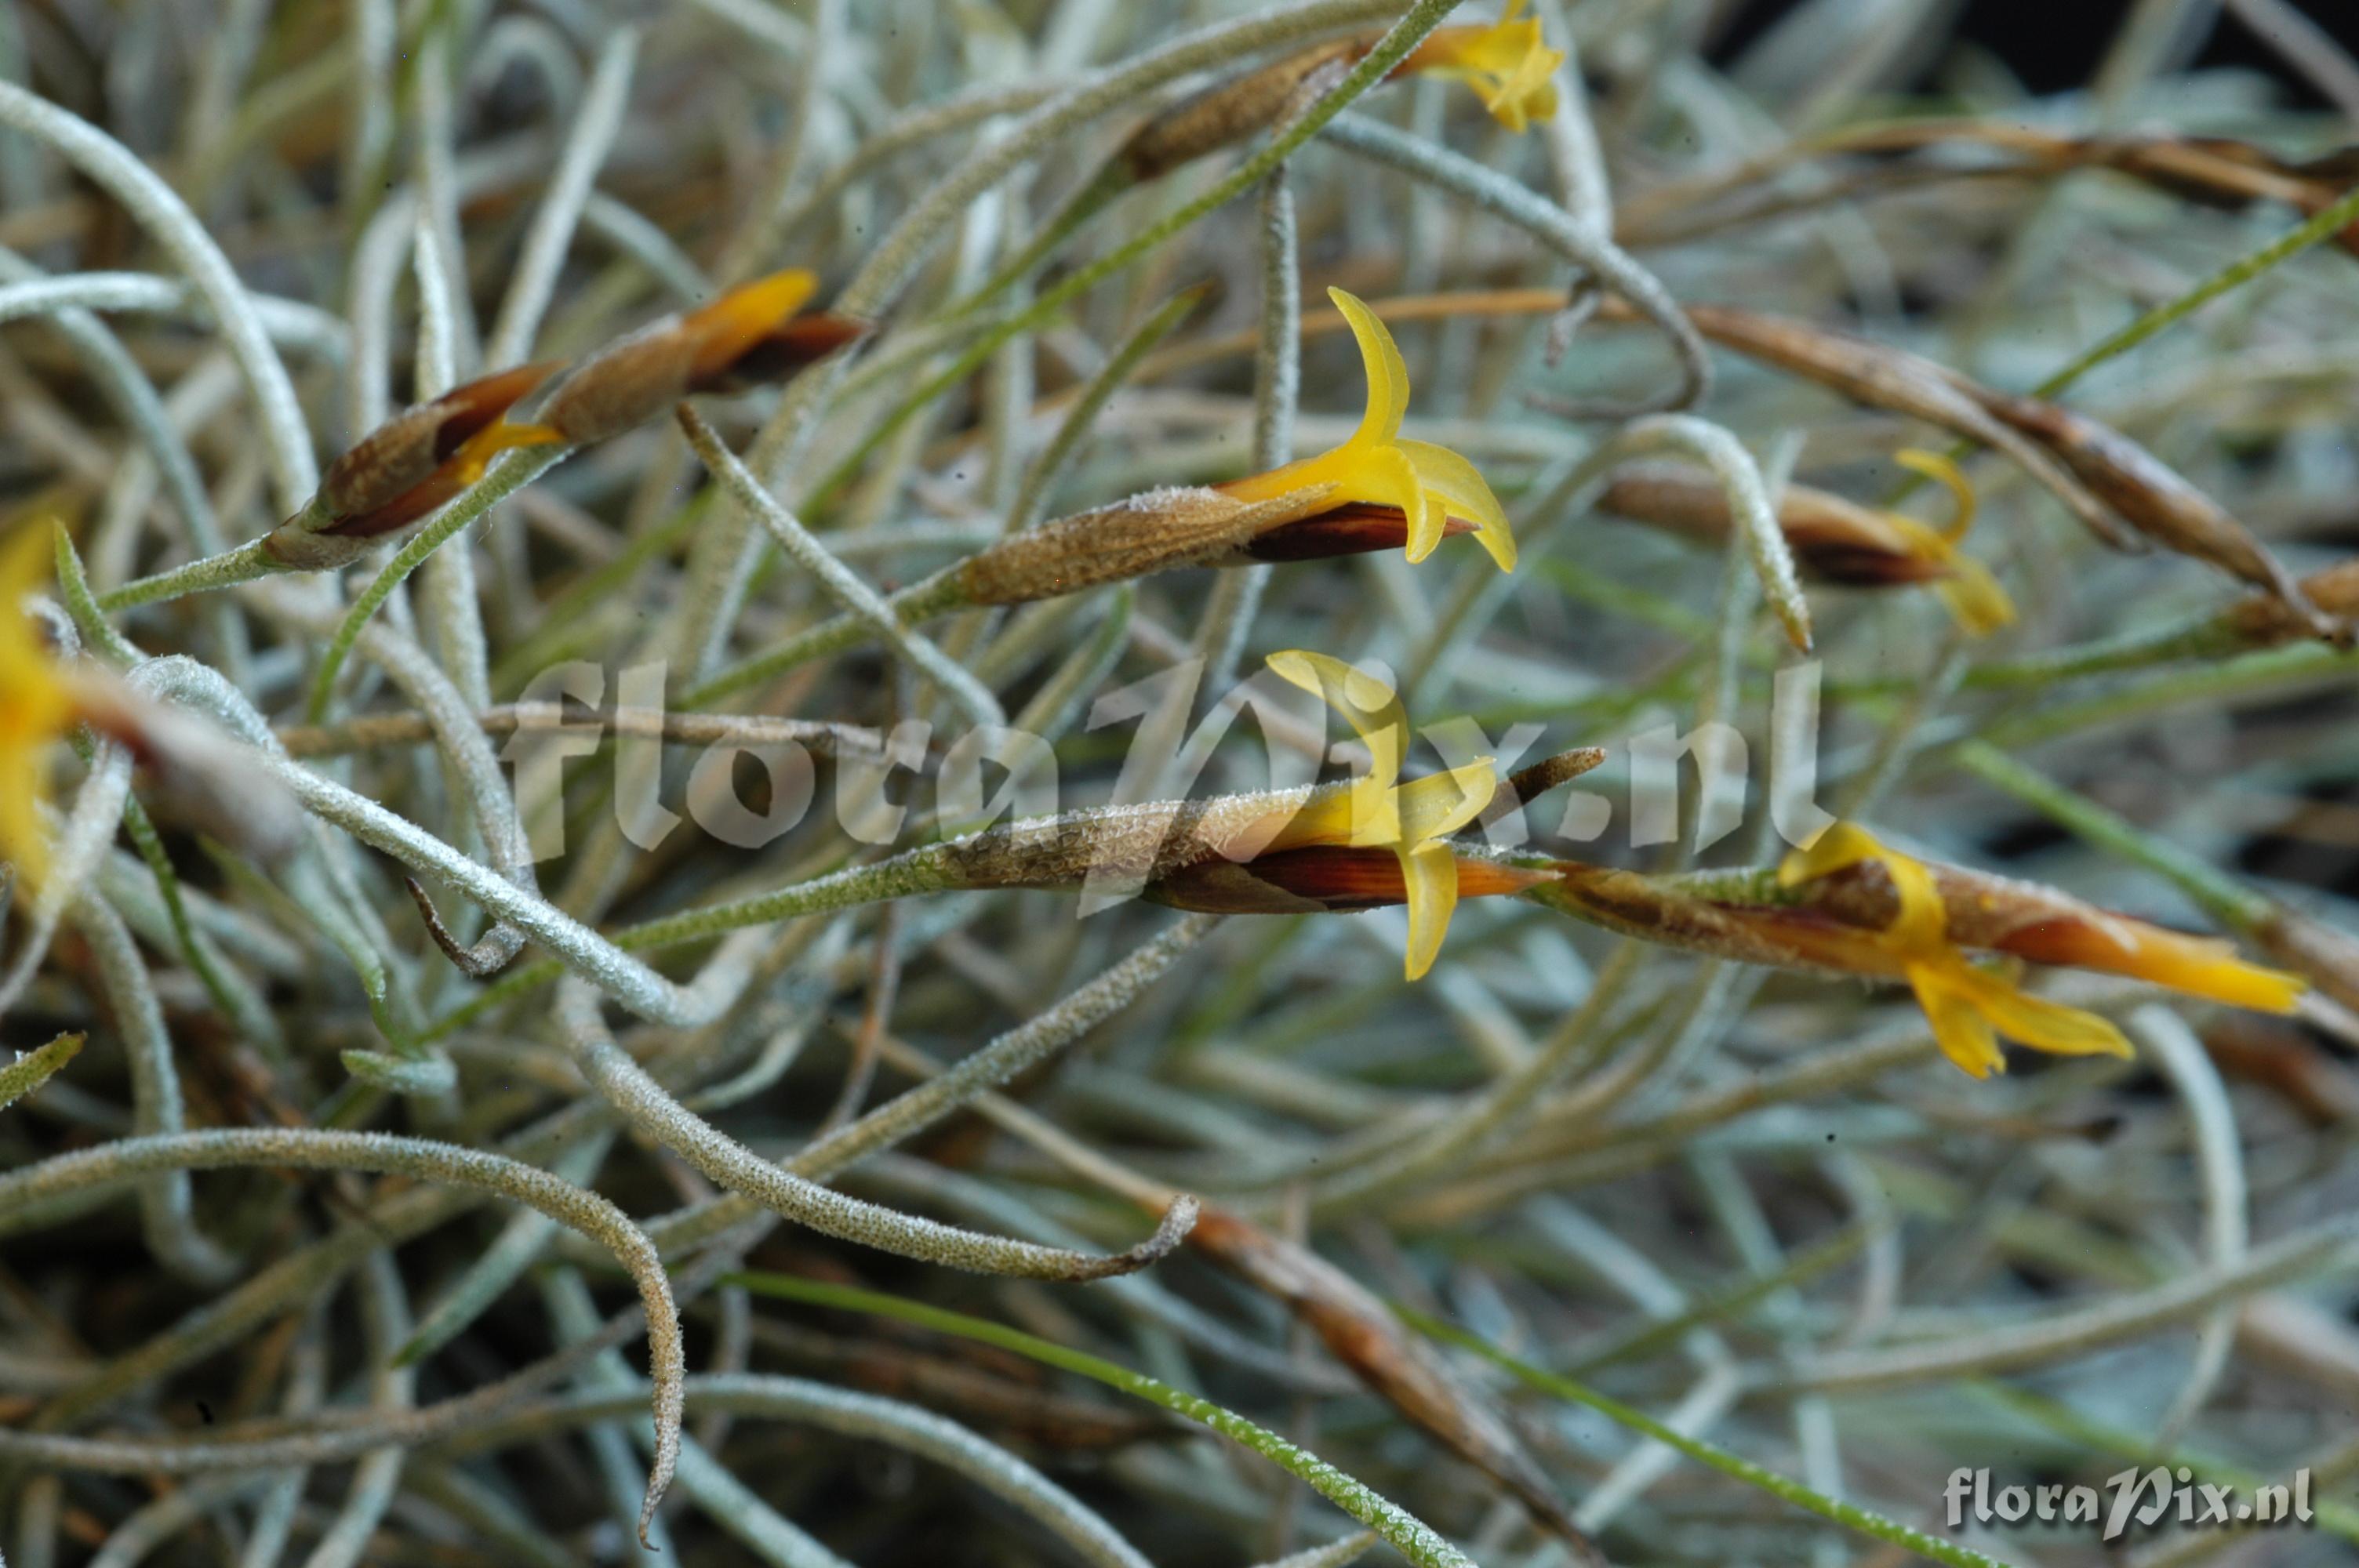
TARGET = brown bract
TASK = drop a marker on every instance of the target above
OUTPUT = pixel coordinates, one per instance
(1144, 843)
(1160, 530)
(1838, 539)
(1334, 879)
(2264, 621)
(403, 451)
(1229, 110)
(752, 334)
(1355, 528)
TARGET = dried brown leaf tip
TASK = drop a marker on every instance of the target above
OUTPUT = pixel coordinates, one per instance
(1836, 539)
(2161, 504)
(2327, 955)
(750, 335)
(1848, 905)
(2265, 620)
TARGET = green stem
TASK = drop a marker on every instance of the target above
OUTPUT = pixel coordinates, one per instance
(2328, 222)
(915, 871)
(2067, 1423)
(2226, 899)
(1409, 1536)
(914, 605)
(1373, 68)
(513, 473)
(26, 1074)
(1848, 1515)
(247, 563)
(2229, 678)
(199, 954)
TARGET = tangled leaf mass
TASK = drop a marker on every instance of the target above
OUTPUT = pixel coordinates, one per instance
(735, 737)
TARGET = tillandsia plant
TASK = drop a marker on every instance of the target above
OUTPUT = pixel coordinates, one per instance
(741, 737)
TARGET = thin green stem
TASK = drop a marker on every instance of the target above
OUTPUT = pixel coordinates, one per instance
(1409, 1536)
(247, 563)
(2325, 224)
(1420, 19)
(28, 1073)
(512, 473)
(1736, 1467)
(2226, 899)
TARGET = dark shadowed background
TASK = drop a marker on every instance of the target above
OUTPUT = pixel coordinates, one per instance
(2056, 45)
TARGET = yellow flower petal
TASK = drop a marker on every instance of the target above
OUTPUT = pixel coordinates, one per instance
(1441, 803)
(1964, 1035)
(734, 322)
(1387, 372)
(1431, 873)
(2206, 966)
(1934, 466)
(1508, 65)
(22, 841)
(35, 706)
(1967, 1006)
(1375, 714)
(1918, 930)
(2035, 1021)
(1385, 475)
(1838, 845)
(1377, 811)
(1464, 493)
(1972, 596)
(1429, 485)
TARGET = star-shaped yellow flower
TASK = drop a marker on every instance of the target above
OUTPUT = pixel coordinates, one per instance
(1974, 596)
(1508, 64)
(36, 705)
(1968, 1005)
(1377, 811)
(1430, 486)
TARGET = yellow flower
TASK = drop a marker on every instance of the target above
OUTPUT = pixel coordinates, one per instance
(36, 705)
(1379, 812)
(1430, 486)
(1968, 1005)
(1508, 64)
(1974, 596)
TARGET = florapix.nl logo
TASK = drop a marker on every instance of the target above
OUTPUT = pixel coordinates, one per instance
(2150, 1500)
(672, 771)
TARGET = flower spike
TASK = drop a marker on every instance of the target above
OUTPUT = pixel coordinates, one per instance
(1430, 486)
